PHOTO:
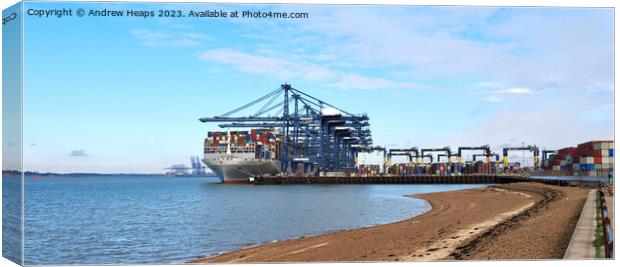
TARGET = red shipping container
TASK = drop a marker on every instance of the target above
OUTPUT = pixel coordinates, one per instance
(592, 153)
(587, 154)
(585, 145)
(583, 151)
(567, 150)
(598, 160)
(589, 144)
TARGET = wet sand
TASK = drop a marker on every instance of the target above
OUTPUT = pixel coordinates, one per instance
(514, 221)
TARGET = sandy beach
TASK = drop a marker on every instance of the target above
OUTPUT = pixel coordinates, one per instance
(512, 221)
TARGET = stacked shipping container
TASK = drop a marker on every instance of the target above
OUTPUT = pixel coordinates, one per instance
(479, 167)
(594, 158)
(443, 168)
(403, 169)
(368, 170)
(264, 143)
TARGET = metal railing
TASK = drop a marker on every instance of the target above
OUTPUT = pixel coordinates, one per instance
(608, 235)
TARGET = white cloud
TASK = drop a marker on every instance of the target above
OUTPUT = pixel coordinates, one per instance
(356, 81)
(296, 67)
(494, 98)
(488, 84)
(551, 49)
(494, 93)
(267, 65)
(519, 90)
(317, 72)
(524, 50)
(543, 125)
(166, 39)
(249, 63)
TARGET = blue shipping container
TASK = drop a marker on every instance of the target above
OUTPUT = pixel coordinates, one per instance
(611, 152)
(586, 166)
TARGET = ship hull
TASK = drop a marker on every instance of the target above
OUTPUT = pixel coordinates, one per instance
(239, 170)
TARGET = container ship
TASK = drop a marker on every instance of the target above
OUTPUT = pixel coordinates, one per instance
(235, 156)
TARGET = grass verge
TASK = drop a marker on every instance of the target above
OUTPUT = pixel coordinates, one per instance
(598, 233)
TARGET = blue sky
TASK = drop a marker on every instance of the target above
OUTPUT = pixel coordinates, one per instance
(124, 94)
(11, 119)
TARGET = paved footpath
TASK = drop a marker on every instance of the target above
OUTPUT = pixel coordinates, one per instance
(580, 246)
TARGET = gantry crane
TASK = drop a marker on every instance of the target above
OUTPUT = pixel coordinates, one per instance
(546, 154)
(485, 148)
(445, 156)
(430, 158)
(370, 150)
(446, 149)
(409, 152)
(313, 131)
(484, 155)
(530, 148)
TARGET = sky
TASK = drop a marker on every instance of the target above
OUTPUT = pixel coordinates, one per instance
(124, 94)
(11, 116)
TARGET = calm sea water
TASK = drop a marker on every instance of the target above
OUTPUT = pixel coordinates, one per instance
(159, 219)
(11, 218)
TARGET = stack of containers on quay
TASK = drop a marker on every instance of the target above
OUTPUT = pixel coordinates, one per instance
(594, 158)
